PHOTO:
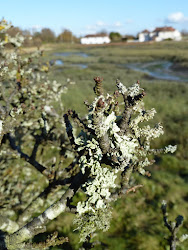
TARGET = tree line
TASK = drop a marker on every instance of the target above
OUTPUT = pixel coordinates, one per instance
(45, 35)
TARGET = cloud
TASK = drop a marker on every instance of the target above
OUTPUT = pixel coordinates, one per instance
(95, 27)
(101, 24)
(117, 24)
(108, 25)
(177, 17)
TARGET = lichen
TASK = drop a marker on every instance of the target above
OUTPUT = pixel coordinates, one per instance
(127, 150)
(90, 221)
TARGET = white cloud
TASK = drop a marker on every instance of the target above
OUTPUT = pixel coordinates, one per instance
(98, 26)
(118, 24)
(94, 28)
(101, 24)
(108, 25)
(177, 17)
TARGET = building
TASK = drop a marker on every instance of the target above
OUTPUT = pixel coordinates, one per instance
(144, 36)
(95, 39)
(160, 34)
(164, 33)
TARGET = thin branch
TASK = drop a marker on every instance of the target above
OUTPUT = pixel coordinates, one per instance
(173, 227)
(27, 158)
(133, 189)
(69, 131)
(79, 122)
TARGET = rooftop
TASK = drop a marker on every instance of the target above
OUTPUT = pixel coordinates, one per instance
(96, 35)
(158, 29)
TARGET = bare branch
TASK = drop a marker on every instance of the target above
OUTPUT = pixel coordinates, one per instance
(27, 158)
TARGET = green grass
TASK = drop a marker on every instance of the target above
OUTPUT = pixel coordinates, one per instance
(137, 220)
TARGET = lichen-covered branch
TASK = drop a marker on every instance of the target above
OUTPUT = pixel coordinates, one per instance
(32, 130)
(38, 224)
(42, 200)
(52, 240)
(173, 227)
(8, 225)
(119, 143)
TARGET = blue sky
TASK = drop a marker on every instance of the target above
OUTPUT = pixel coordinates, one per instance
(91, 16)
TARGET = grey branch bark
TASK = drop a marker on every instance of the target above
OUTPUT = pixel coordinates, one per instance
(40, 199)
(37, 225)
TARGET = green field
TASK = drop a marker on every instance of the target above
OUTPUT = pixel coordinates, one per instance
(137, 219)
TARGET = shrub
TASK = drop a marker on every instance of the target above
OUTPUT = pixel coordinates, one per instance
(38, 182)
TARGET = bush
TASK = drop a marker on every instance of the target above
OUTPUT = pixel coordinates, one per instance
(45, 172)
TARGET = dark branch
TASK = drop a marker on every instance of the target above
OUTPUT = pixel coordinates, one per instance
(79, 122)
(27, 158)
(69, 131)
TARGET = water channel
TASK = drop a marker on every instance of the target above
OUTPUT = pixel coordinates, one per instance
(156, 69)
(59, 62)
(159, 70)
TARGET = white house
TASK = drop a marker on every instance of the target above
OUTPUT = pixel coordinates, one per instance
(144, 36)
(163, 33)
(160, 34)
(95, 39)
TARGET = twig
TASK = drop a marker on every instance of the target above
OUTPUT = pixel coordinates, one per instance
(27, 158)
(173, 227)
(133, 189)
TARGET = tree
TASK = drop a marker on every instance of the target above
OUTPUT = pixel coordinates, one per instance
(128, 38)
(47, 35)
(67, 37)
(26, 103)
(115, 36)
(13, 31)
(36, 187)
(184, 34)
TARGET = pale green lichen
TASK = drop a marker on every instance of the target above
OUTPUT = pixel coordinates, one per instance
(183, 237)
(134, 90)
(89, 222)
(122, 89)
(170, 149)
(125, 147)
